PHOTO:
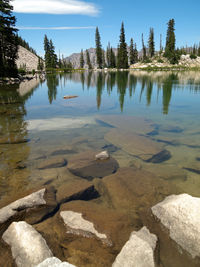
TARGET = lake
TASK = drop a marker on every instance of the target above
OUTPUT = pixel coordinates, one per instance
(147, 121)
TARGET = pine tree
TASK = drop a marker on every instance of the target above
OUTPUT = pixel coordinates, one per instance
(161, 47)
(98, 49)
(8, 40)
(112, 59)
(82, 62)
(198, 53)
(135, 53)
(131, 53)
(103, 59)
(50, 56)
(122, 56)
(170, 39)
(170, 52)
(151, 43)
(88, 60)
(108, 56)
(144, 50)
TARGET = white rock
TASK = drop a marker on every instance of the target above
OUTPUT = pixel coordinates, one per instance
(102, 156)
(180, 214)
(33, 200)
(54, 262)
(28, 247)
(78, 225)
(138, 251)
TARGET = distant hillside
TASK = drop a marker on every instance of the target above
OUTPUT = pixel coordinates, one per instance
(75, 58)
(26, 59)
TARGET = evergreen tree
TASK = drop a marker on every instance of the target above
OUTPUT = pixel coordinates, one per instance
(170, 39)
(151, 43)
(108, 55)
(88, 60)
(8, 40)
(161, 47)
(112, 59)
(98, 49)
(198, 52)
(144, 50)
(122, 56)
(135, 53)
(103, 59)
(170, 52)
(53, 56)
(40, 66)
(82, 62)
(50, 56)
(131, 53)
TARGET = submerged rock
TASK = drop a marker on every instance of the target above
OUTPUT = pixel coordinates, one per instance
(54, 262)
(84, 165)
(77, 189)
(55, 162)
(131, 124)
(76, 224)
(180, 215)
(138, 251)
(135, 144)
(27, 245)
(164, 155)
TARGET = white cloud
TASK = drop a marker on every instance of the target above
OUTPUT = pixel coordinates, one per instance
(55, 28)
(55, 7)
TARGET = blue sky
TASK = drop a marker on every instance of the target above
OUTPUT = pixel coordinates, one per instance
(71, 23)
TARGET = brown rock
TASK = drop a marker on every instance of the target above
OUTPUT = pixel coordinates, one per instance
(85, 166)
(55, 162)
(76, 189)
(137, 145)
(131, 124)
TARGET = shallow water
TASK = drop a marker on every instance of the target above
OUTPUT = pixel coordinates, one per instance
(113, 111)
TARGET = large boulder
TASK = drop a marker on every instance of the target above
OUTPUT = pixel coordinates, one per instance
(86, 166)
(28, 247)
(54, 262)
(180, 215)
(138, 250)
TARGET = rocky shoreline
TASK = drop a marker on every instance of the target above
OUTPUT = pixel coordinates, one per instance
(178, 214)
(26, 222)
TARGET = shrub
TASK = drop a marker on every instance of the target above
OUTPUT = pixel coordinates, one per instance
(192, 56)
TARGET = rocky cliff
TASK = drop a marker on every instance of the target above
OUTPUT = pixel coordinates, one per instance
(26, 59)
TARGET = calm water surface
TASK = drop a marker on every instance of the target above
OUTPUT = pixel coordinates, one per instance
(35, 121)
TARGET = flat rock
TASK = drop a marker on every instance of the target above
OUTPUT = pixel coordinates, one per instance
(28, 247)
(134, 144)
(180, 215)
(138, 251)
(85, 166)
(131, 124)
(54, 262)
(131, 189)
(55, 162)
(76, 224)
